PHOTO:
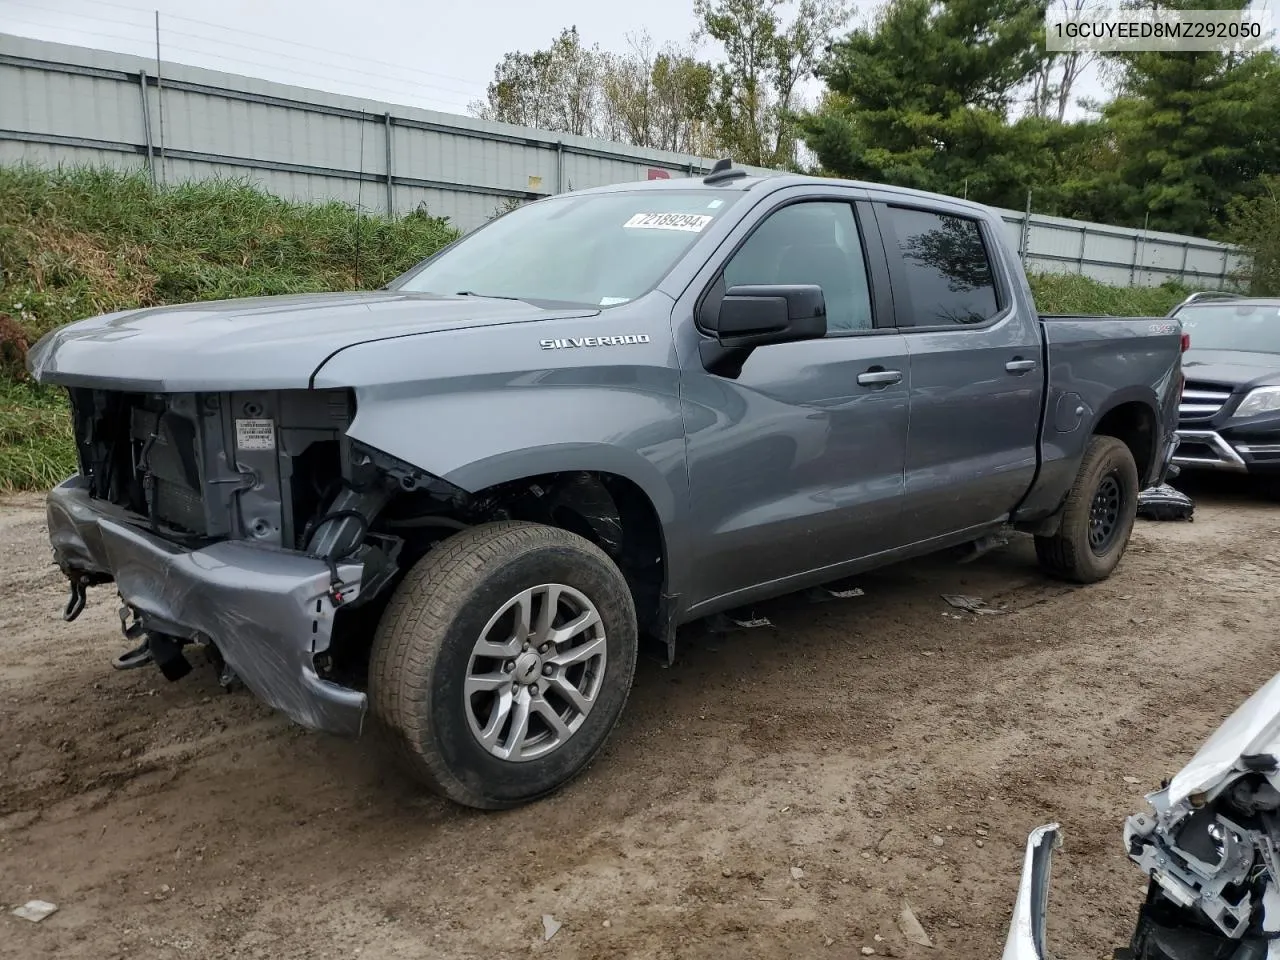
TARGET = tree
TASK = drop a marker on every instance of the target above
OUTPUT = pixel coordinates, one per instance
(645, 97)
(628, 94)
(1191, 131)
(765, 61)
(556, 89)
(658, 98)
(1058, 72)
(921, 98)
(682, 87)
(1254, 223)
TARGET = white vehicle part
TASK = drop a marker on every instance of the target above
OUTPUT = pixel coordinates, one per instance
(1026, 931)
(1252, 730)
(1193, 847)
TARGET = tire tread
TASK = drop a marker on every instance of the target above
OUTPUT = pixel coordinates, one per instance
(1063, 555)
(416, 623)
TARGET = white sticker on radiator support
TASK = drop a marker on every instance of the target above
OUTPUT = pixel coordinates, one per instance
(255, 434)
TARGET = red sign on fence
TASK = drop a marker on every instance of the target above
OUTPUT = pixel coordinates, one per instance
(657, 173)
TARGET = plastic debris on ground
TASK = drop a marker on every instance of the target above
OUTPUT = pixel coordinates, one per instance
(1165, 503)
(911, 928)
(550, 926)
(736, 620)
(972, 604)
(827, 593)
(35, 910)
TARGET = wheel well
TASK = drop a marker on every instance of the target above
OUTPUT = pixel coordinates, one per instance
(610, 510)
(616, 515)
(1134, 425)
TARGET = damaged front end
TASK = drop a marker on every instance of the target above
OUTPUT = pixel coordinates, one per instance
(241, 522)
(253, 525)
(1210, 847)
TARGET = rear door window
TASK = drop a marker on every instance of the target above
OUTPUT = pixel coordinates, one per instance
(945, 267)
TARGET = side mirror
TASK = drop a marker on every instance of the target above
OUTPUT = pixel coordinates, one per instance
(751, 316)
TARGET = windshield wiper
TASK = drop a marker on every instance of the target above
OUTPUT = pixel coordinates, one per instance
(485, 296)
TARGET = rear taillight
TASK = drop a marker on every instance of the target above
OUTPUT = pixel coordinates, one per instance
(1186, 342)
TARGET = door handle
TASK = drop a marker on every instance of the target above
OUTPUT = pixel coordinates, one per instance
(1018, 365)
(879, 378)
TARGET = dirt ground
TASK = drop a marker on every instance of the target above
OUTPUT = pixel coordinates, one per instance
(778, 792)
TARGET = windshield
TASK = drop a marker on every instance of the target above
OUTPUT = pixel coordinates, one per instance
(1245, 326)
(598, 249)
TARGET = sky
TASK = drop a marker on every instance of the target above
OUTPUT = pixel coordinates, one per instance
(439, 55)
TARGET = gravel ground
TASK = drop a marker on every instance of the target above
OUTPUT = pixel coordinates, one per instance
(777, 792)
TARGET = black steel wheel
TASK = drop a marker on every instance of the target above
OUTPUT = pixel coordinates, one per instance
(1105, 514)
(1097, 517)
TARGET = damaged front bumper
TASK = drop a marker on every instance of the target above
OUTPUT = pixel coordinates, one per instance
(266, 610)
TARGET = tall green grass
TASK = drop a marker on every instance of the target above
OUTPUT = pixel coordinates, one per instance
(77, 242)
(1068, 293)
(36, 446)
(80, 242)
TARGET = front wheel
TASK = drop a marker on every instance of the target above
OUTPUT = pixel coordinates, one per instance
(1097, 518)
(503, 661)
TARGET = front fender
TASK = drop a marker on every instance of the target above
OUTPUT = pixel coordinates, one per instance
(610, 410)
(484, 437)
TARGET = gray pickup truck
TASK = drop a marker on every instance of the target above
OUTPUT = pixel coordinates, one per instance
(451, 509)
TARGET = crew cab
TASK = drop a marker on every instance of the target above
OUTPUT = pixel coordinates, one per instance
(1229, 418)
(450, 509)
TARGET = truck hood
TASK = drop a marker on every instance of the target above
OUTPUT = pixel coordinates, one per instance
(259, 343)
(1239, 368)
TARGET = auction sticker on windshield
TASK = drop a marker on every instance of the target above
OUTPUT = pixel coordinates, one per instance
(690, 222)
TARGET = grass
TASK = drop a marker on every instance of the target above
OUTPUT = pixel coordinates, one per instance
(1068, 293)
(36, 447)
(76, 242)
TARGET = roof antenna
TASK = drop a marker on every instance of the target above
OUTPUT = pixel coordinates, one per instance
(723, 172)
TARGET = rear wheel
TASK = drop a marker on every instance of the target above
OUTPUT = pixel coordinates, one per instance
(503, 661)
(1097, 519)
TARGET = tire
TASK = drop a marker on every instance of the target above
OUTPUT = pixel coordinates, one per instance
(1071, 554)
(1268, 486)
(425, 653)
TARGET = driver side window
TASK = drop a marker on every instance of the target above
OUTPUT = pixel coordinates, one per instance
(814, 242)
